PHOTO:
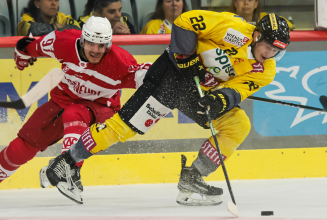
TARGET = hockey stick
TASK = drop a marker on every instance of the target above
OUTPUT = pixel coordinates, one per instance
(232, 208)
(322, 99)
(48, 82)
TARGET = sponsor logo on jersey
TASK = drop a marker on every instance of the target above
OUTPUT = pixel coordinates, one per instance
(279, 44)
(235, 37)
(81, 89)
(188, 64)
(149, 114)
(162, 29)
(257, 67)
(211, 152)
(273, 21)
(88, 140)
(210, 79)
(238, 60)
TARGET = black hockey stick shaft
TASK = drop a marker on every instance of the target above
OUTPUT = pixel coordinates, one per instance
(216, 142)
(292, 104)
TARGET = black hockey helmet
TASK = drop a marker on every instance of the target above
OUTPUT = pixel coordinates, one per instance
(274, 30)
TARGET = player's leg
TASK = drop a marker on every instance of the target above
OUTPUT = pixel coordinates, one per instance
(35, 135)
(76, 118)
(233, 127)
(14, 155)
(141, 112)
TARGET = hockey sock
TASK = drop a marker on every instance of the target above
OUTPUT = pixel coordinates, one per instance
(13, 156)
(76, 119)
(208, 159)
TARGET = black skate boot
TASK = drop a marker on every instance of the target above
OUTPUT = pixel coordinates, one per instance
(76, 176)
(60, 173)
(191, 182)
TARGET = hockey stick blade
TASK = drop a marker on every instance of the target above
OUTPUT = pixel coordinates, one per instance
(48, 82)
(232, 208)
(18, 104)
(323, 101)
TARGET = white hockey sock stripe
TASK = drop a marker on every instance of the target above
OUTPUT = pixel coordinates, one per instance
(7, 159)
(4, 174)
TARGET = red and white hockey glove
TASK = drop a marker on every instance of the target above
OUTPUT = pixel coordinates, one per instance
(22, 59)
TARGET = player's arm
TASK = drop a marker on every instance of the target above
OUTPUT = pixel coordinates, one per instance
(28, 48)
(190, 26)
(236, 90)
(252, 82)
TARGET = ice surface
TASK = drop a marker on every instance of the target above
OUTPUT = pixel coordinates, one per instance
(287, 198)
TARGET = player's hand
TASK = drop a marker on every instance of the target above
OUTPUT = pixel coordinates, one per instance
(191, 65)
(22, 59)
(215, 102)
(120, 28)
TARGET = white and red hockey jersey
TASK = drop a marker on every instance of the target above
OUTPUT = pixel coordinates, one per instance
(99, 82)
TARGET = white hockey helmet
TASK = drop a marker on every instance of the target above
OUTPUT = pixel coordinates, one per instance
(97, 30)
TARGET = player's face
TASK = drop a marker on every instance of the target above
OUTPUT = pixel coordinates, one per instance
(112, 12)
(245, 7)
(264, 51)
(94, 51)
(48, 7)
(172, 8)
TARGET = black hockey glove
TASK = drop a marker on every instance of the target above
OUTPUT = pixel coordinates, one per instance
(215, 101)
(192, 65)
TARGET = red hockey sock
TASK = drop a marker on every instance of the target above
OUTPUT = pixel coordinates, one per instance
(12, 157)
(76, 119)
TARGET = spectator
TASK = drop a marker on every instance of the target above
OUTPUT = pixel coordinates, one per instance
(41, 17)
(166, 12)
(110, 9)
(250, 10)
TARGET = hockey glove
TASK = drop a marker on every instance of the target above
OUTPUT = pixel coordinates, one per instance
(215, 101)
(22, 59)
(192, 65)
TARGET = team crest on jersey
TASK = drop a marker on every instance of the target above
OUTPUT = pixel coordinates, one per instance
(235, 37)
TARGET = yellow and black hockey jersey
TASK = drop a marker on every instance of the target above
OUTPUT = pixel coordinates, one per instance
(157, 26)
(223, 43)
(28, 24)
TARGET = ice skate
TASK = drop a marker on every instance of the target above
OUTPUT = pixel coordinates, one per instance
(60, 174)
(76, 177)
(191, 182)
(44, 182)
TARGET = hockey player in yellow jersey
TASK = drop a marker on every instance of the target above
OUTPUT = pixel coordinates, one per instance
(233, 60)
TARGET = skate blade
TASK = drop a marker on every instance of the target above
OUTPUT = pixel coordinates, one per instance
(184, 198)
(72, 194)
(44, 182)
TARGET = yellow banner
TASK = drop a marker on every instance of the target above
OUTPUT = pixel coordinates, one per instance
(15, 83)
